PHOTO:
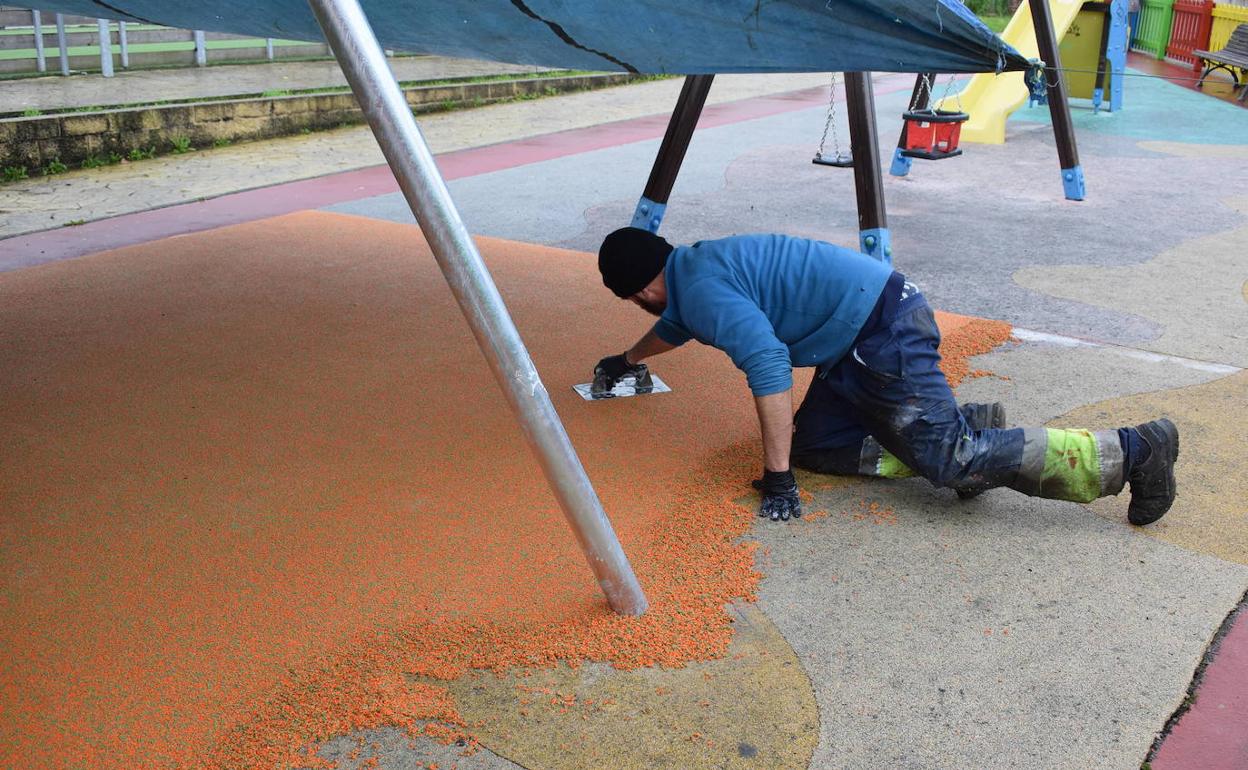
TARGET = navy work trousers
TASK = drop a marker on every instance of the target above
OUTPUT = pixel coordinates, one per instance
(890, 386)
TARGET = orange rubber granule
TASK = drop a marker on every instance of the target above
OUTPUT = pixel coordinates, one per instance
(260, 489)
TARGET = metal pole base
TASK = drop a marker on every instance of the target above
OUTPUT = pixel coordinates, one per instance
(901, 163)
(1072, 183)
(648, 215)
(877, 243)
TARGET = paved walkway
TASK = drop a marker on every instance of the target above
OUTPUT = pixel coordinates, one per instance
(143, 86)
(45, 202)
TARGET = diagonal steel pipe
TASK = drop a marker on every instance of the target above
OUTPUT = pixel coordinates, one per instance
(364, 63)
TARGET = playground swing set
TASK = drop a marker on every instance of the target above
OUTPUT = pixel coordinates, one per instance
(930, 131)
(792, 37)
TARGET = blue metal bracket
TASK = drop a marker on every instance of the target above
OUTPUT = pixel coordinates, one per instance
(901, 163)
(1116, 51)
(877, 243)
(1072, 183)
(648, 215)
(1098, 96)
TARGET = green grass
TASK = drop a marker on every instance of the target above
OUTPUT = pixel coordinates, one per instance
(996, 23)
(180, 145)
(14, 173)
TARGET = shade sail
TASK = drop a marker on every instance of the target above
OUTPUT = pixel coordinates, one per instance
(651, 36)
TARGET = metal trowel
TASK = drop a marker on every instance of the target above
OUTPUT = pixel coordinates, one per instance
(638, 382)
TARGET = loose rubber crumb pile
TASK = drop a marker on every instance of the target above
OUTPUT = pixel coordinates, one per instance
(260, 489)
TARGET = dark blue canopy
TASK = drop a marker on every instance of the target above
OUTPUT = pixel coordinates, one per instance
(656, 36)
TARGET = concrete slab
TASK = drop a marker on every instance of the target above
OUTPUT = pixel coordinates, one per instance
(1008, 633)
(594, 716)
(1040, 381)
(961, 229)
(42, 203)
(1211, 513)
(1194, 292)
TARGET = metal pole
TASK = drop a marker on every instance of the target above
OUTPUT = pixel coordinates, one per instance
(268, 48)
(873, 236)
(351, 38)
(201, 49)
(653, 204)
(918, 101)
(124, 45)
(106, 48)
(1059, 107)
(41, 61)
(61, 46)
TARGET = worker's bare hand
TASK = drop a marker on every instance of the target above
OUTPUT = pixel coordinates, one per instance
(780, 496)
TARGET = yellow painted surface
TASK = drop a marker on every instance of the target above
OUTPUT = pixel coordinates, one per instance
(990, 99)
(752, 709)
(1210, 513)
(1080, 50)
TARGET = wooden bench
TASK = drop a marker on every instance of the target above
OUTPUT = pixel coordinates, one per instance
(1233, 56)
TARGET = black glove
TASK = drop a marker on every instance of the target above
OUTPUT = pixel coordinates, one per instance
(780, 498)
(610, 370)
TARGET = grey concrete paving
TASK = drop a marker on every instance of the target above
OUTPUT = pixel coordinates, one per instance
(396, 750)
(1011, 632)
(224, 81)
(45, 202)
(962, 228)
(1032, 379)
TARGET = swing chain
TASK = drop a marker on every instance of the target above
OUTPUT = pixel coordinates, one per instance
(830, 125)
(957, 97)
(924, 85)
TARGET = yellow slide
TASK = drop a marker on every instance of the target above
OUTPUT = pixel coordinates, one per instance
(988, 98)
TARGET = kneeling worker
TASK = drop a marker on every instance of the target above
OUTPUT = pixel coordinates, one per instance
(879, 404)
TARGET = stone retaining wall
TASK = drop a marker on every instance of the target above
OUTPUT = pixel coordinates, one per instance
(71, 138)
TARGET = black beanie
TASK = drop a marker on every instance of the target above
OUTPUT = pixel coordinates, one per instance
(630, 258)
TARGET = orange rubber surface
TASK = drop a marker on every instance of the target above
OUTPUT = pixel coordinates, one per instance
(260, 488)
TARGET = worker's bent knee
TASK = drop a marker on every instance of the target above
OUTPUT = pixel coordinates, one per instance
(836, 462)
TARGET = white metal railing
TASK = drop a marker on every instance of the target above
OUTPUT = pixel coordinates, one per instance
(37, 37)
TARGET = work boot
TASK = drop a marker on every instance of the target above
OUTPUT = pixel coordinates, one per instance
(1152, 481)
(981, 417)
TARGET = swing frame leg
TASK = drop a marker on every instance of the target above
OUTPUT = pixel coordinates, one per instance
(653, 204)
(919, 99)
(1059, 107)
(874, 238)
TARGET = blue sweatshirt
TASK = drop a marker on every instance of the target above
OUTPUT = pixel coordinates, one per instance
(770, 302)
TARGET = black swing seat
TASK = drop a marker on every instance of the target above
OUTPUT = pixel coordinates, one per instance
(1231, 57)
(935, 116)
(837, 161)
(926, 155)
